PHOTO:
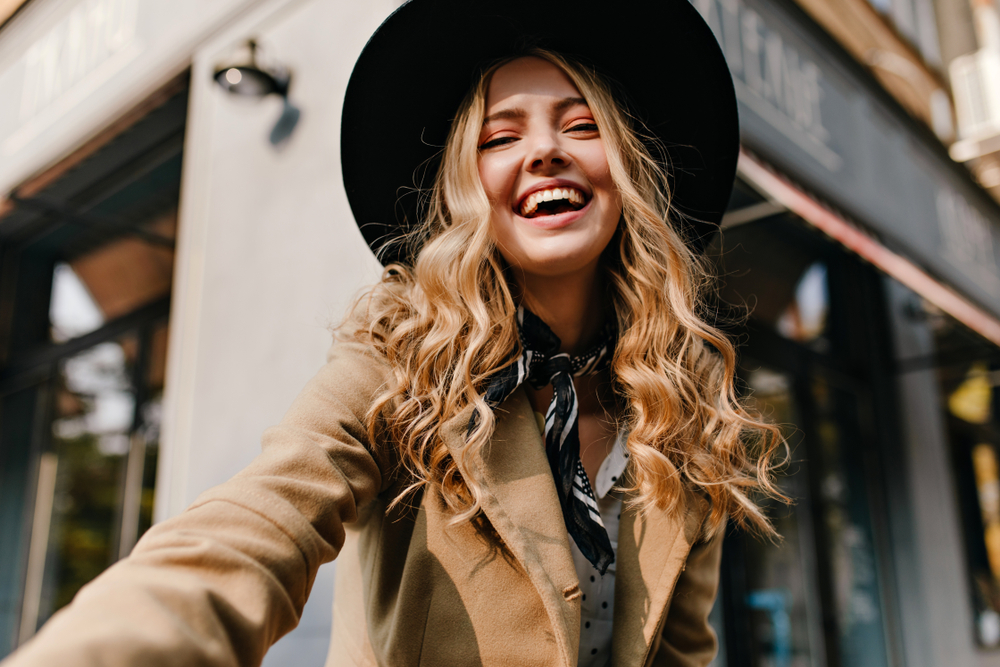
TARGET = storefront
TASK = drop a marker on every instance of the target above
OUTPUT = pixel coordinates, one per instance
(214, 261)
(867, 261)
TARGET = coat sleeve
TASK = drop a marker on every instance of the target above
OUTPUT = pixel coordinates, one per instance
(221, 582)
(687, 639)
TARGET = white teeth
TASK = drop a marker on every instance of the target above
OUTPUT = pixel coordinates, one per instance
(531, 202)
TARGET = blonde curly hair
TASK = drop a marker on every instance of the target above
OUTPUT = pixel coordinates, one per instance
(446, 324)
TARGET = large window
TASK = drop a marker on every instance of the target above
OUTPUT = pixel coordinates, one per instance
(968, 373)
(86, 268)
(808, 316)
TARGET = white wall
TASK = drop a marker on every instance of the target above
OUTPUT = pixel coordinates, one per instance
(268, 256)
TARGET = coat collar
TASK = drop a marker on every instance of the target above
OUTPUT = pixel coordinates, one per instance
(522, 505)
(653, 547)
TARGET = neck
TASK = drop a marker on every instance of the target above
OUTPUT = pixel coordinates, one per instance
(573, 306)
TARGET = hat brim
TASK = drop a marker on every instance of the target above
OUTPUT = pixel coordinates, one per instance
(415, 70)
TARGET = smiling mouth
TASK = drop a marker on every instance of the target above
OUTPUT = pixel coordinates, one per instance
(552, 201)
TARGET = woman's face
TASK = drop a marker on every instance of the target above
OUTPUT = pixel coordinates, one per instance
(543, 165)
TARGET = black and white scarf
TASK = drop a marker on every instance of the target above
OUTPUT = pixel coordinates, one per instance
(541, 364)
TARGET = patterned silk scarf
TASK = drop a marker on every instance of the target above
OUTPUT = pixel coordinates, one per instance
(541, 364)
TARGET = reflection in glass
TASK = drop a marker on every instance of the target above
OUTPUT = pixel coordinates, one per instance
(812, 598)
(804, 318)
(90, 437)
(970, 401)
(72, 310)
(782, 284)
(111, 281)
(837, 459)
(968, 371)
(783, 604)
(984, 465)
(103, 454)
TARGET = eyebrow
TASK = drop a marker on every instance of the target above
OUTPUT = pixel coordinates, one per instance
(517, 113)
(569, 102)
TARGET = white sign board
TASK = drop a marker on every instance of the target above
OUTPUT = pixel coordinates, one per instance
(68, 68)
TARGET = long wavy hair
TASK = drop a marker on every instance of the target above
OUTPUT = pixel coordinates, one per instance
(447, 323)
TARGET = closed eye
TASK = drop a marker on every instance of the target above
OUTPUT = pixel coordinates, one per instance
(583, 127)
(499, 141)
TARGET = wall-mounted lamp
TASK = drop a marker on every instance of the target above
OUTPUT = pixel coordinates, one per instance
(249, 79)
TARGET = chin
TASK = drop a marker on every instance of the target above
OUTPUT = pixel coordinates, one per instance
(554, 266)
(553, 253)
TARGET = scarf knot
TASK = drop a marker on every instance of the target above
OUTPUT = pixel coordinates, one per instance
(541, 364)
(543, 374)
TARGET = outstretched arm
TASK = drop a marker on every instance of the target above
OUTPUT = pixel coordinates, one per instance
(221, 582)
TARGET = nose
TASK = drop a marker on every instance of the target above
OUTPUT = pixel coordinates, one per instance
(546, 154)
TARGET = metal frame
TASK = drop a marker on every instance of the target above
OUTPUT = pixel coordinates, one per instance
(38, 365)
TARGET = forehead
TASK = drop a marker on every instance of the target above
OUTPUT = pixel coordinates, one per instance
(528, 76)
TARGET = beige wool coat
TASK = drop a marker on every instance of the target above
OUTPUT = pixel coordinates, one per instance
(220, 583)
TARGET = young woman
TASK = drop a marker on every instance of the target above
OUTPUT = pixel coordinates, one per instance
(525, 444)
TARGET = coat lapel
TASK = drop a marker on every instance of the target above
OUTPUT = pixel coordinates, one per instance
(652, 551)
(522, 504)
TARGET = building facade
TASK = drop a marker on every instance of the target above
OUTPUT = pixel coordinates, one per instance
(172, 257)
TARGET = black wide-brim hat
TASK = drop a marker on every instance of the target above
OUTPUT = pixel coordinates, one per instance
(660, 56)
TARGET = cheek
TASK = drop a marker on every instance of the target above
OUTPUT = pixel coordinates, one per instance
(495, 182)
(595, 163)
(496, 177)
(599, 174)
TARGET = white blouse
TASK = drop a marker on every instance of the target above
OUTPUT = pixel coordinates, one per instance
(598, 602)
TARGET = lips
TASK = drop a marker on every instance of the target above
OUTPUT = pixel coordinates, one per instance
(552, 200)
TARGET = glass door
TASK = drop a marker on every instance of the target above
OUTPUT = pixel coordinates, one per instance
(816, 597)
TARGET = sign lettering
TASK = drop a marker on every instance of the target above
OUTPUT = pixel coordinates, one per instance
(89, 36)
(967, 237)
(772, 77)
